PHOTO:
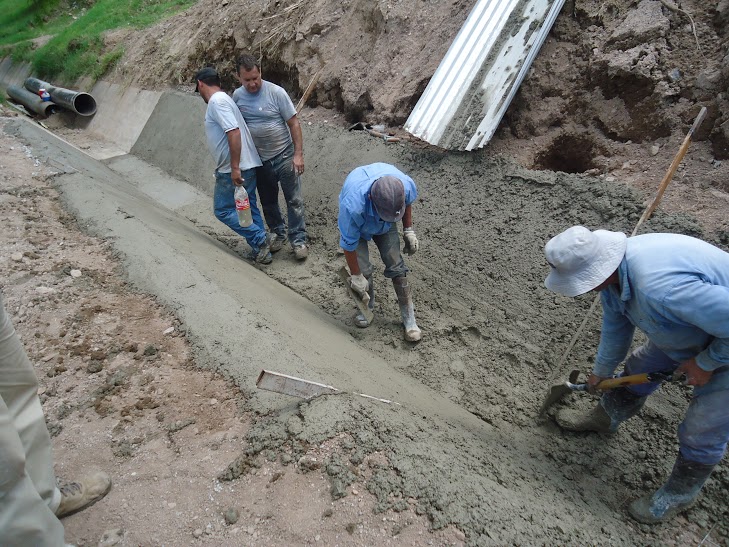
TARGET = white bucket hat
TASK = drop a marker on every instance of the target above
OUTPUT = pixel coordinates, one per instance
(581, 259)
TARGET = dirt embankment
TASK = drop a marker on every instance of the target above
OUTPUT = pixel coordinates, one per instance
(613, 79)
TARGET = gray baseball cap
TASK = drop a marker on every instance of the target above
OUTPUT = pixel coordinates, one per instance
(388, 197)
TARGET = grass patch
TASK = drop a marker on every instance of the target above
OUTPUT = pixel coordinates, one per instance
(77, 46)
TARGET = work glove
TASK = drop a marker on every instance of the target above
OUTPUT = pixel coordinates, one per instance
(411, 241)
(360, 285)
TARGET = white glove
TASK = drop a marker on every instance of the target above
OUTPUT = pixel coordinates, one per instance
(411, 241)
(360, 285)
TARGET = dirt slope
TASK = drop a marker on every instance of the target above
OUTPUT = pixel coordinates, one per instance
(611, 77)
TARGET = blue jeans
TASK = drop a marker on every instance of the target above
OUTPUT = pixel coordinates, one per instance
(389, 247)
(224, 207)
(704, 432)
(280, 169)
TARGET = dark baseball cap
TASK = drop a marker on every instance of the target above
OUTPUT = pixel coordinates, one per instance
(207, 73)
(388, 197)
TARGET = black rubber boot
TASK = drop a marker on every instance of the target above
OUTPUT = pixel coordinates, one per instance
(360, 319)
(407, 310)
(679, 492)
(614, 407)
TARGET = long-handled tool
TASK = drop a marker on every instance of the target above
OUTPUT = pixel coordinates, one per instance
(560, 390)
(361, 305)
(550, 400)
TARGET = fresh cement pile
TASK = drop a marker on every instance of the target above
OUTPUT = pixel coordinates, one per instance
(492, 334)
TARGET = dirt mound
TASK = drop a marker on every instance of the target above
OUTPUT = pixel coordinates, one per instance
(610, 72)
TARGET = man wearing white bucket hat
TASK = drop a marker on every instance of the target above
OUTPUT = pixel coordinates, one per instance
(675, 289)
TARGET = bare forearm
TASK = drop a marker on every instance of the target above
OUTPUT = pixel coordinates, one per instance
(296, 135)
(407, 219)
(351, 258)
(234, 142)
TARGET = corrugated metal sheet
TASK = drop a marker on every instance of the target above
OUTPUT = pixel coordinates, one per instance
(476, 80)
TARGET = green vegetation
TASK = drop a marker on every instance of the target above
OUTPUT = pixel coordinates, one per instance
(76, 47)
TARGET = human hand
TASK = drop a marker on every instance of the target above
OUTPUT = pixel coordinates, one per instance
(695, 375)
(360, 285)
(298, 163)
(592, 381)
(236, 176)
(411, 241)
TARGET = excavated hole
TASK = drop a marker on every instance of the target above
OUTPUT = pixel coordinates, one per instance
(568, 153)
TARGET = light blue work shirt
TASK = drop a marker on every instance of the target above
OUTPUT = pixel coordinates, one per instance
(675, 289)
(357, 216)
(221, 117)
(266, 113)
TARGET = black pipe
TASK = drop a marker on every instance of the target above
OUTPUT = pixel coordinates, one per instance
(31, 101)
(78, 101)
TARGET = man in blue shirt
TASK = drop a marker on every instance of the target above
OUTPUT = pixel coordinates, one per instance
(675, 289)
(373, 199)
(236, 161)
(276, 131)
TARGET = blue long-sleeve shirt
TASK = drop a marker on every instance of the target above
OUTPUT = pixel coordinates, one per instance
(675, 289)
(357, 216)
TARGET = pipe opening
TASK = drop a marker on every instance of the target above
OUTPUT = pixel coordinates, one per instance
(84, 104)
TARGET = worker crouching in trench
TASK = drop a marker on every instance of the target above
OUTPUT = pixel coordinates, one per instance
(373, 199)
(675, 289)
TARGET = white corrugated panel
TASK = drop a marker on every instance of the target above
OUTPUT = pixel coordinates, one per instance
(476, 80)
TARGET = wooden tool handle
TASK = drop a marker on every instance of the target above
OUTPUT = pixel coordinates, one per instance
(633, 380)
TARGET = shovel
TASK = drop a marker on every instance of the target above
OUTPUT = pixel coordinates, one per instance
(557, 392)
(361, 305)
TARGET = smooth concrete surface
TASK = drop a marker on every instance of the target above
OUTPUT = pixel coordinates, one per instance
(177, 123)
(238, 318)
(122, 113)
(13, 73)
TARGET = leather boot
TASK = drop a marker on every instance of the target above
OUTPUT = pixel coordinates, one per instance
(614, 407)
(359, 319)
(80, 494)
(679, 492)
(407, 311)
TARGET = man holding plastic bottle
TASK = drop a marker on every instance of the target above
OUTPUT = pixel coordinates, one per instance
(236, 161)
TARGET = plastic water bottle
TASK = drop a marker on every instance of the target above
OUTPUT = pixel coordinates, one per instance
(243, 207)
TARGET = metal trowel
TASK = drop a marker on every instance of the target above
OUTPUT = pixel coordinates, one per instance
(361, 305)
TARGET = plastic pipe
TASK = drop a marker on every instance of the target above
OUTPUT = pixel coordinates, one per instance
(77, 101)
(31, 101)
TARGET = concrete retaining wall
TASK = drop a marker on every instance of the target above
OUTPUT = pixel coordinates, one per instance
(173, 139)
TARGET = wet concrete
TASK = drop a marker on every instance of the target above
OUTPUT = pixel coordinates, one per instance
(464, 444)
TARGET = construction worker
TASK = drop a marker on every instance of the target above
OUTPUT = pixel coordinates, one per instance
(675, 289)
(30, 501)
(276, 132)
(373, 199)
(236, 160)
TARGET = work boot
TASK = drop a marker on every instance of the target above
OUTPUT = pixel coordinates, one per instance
(76, 496)
(407, 311)
(359, 319)
(301, 251)
(277, 243)
(614, 408)
(678, 493)
(263, 254)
